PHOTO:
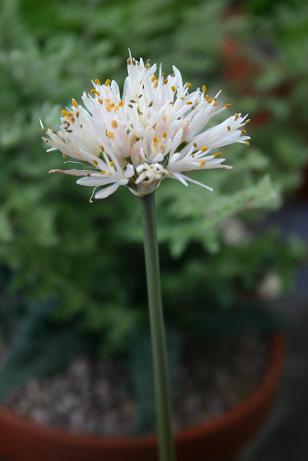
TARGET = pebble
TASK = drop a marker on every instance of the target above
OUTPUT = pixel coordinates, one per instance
(93, 397)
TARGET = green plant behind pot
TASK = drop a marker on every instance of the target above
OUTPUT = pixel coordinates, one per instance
(55, 248)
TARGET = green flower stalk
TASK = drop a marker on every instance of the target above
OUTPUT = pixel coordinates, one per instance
(154, 130)
(158, 336)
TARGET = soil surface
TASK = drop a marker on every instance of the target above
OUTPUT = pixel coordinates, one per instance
(96, 398)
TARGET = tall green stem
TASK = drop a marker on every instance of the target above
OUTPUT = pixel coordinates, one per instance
(158, 337)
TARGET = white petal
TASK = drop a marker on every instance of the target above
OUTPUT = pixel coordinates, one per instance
(98, 180)
(73, 172)
(104, 193)
(198, 183)
(180, 178)
(130, 171)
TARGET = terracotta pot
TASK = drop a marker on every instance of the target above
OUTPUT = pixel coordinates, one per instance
(220, 439)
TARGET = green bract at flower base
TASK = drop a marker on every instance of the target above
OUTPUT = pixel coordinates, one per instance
(155, 130)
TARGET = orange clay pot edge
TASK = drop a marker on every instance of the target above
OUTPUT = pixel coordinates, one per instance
(246, 407)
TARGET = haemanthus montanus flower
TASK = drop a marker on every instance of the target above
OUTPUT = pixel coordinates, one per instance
(156, 129)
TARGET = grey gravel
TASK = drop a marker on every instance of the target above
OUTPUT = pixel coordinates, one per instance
(95, 398)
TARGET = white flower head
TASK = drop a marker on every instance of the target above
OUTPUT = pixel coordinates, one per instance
(155, 129)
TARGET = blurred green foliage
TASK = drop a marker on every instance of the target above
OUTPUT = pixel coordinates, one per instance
(87, 260)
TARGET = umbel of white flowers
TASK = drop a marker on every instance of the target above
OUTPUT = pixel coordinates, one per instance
(155, 130)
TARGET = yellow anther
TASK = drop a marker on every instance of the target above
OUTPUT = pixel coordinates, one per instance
(189, 103)
(203, 88)
(229, 128)
(202, 163)
(110, 134)
(194, 144)
(243, 131)
(155, 140)
(188, 85)
(94, 91)
(155, 83)
(173, 88)
(109, 105)
(247, 121)
(74, 103)
(66, 113)
(97, 82)
(204, 148)
(100, 100)
(247, 143)
(103, 172)
(164, 134)
(217, 154)
(114, 124)
(107, 82)
(111, 164)
(95, 162)
(153, 78)
(227, 106)
(121, 103)
(165, 81)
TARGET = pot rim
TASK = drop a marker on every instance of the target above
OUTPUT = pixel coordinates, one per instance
(220, 423)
